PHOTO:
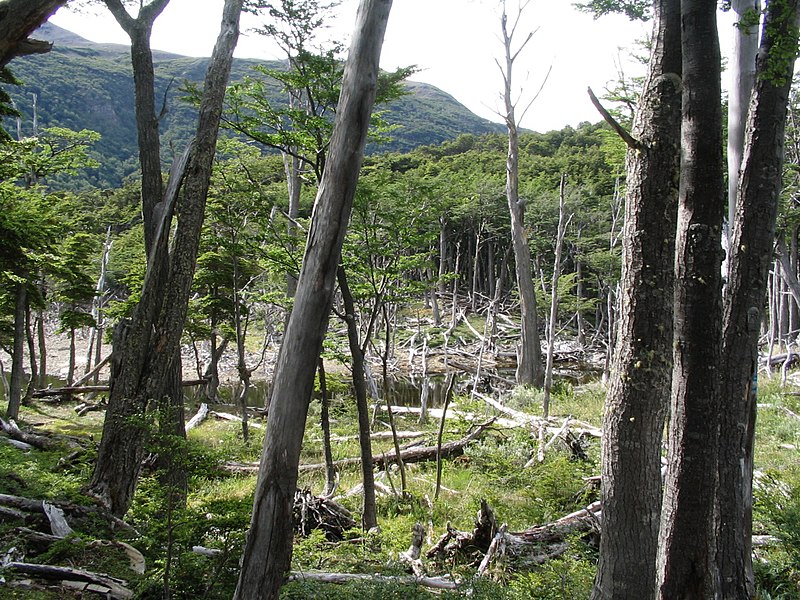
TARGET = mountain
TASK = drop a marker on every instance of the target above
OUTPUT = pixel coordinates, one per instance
(84, 85)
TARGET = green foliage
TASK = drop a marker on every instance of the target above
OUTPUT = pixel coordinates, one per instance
(777, 508)
(570, 577)
(635, 10)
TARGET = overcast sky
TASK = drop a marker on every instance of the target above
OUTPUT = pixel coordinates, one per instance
(454, 42)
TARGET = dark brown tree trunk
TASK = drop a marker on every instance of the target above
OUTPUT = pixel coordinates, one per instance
(17, 359)
(752, 240)
(369, 518)
(20, 18)
(633, 421)
(268, 550)
(687, 545)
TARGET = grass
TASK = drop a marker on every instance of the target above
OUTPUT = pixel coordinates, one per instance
(218, 509)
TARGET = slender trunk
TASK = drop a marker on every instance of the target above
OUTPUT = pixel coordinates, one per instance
(563, 220)
(268, 549)
(17, 360)
(31, 354)
(687, 544)
(71, 362)
(325, 425)
(752, 241)
(369, 518)
(42, 343)
(638, 394)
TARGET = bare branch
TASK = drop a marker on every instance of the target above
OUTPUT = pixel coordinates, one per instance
(629, 140)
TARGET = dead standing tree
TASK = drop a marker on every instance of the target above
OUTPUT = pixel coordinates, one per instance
(529, 354)
(268, 549)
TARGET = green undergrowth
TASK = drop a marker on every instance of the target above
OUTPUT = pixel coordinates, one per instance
(497, 467)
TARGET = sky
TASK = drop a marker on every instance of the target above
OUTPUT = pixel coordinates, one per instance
(454, 43)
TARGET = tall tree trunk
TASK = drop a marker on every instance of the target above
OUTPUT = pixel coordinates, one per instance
(147, 350)
(369, 518)
(687, 542)
(752, 240)
(743, 71)
(17, 359)
(268, 550)
(529, 355)
(633, 418)
(563, 221)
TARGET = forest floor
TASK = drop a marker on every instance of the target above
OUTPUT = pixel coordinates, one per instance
(193, 551)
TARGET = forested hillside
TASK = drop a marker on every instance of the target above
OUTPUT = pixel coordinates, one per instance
(83, 85)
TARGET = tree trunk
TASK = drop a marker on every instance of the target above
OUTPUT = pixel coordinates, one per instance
(687, 542)
(17, 362)
(563, 221)
(529, 360)
(20, 18)
(267, 554)
(148, 366)
(638, 394)
(743, 71)
(752, 241)
(369, 518)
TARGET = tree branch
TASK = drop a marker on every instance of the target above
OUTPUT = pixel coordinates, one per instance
(629, 140)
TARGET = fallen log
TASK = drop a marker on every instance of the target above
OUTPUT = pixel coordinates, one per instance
(69, 390)
(199, 417)
(95, 582)
(532, 546)
(30, 505)
(436, 583)
(11, 429)
(412, 455)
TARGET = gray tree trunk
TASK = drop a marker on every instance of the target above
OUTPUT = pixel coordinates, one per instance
(147, 350)
(751, 255)
(687, 544)
(639, 389)
(529, 355)
(268, 550)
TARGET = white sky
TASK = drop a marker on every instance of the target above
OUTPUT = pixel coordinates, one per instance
(453, 42)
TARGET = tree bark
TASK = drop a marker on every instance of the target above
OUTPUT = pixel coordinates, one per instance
(20, 18)
(687, 542)
(751, 256)
(369, 518)
(17, 362)
(633, 421)
(529, 360)
(267, 554)
(150, 346)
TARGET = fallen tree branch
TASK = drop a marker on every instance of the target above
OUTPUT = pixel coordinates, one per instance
(111, 586)
(11, 429)
(436, 583)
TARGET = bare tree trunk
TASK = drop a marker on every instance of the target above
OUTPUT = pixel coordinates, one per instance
(325, 424)
(563, 221)
(638, 394)
(369, 518)
(41, 339)
(268, 550)
(687, 542)
(529, 361)
(752, 241)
